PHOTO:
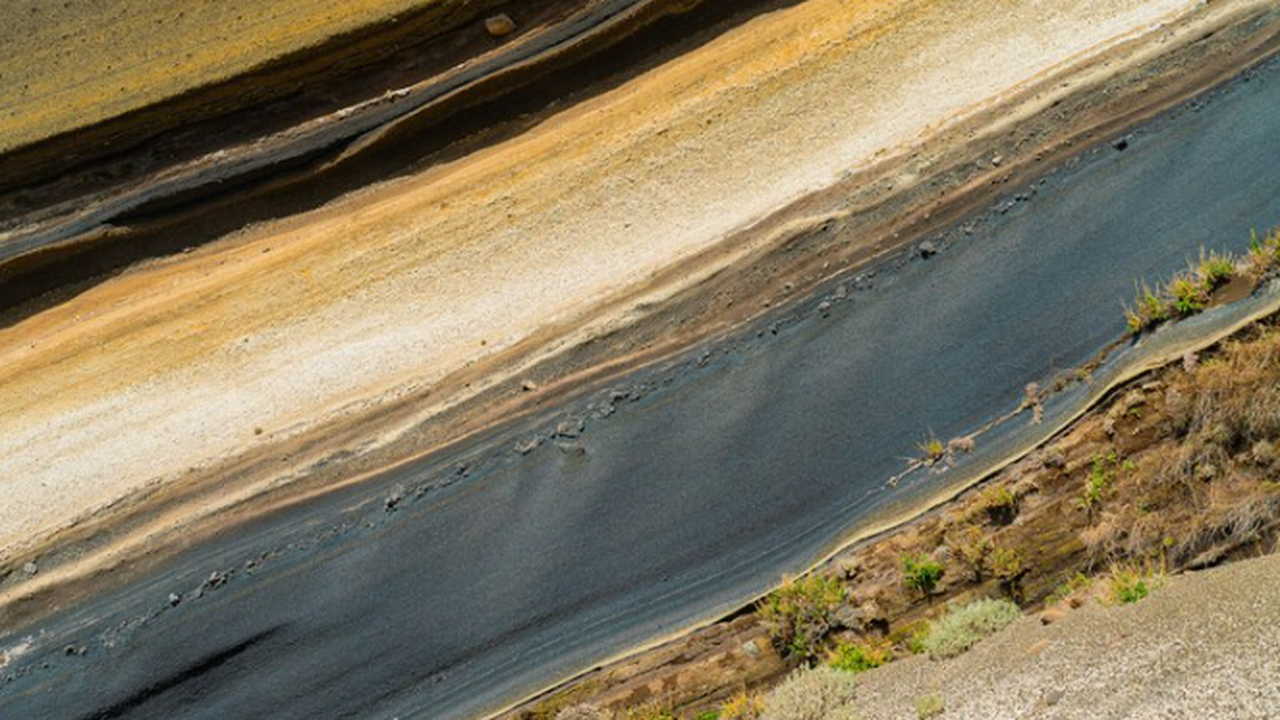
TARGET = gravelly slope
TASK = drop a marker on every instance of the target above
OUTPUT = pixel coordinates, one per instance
(1202, 647)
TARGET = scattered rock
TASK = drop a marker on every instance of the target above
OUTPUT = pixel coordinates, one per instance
(31, 568)
(824, 307)
(1052, 615)
(1053, 697)
(751, 649)
(571, 448)
(72, 650)
(571, 428)
(848, 570)
(960, 445)
(500, 25)
(847, 617)
(216, 580)
(528, 386)
(527, 446)
(997, 161)
(174, 599)
(392, 500)
(928, 249)
(1120, 144)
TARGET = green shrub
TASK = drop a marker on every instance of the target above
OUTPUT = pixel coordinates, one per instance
(1190, 295)
(1005, 564)
(965, 625)
(708, 715)
(1098, 481)
(1130, 583)
(1214, 269)
(798, 614)
(931, 449)
(1000, 505)
(860, 657)
(930, 706)
(820, 693)
(921, 573)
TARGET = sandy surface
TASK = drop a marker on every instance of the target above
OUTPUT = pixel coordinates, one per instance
(175, 365)
(69, 64)
(1204, 646)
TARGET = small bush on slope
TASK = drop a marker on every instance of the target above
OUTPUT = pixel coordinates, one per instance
(812, 694)
(860, 657)
(922, 573)
(1132, 583)
(965, 625)
(798, 614)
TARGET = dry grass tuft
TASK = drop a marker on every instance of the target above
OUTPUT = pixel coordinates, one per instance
(1211, 491)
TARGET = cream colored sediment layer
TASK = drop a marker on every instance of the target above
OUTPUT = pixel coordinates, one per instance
(175, 365)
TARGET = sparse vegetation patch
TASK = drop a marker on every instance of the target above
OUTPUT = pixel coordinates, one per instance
(921, 573)
(1189, 292)
(798, 614)
(1130, 583)
(930, 706)
(966, 625)
(858, 657)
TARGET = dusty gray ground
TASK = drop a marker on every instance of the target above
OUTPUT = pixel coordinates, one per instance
(1206, 645)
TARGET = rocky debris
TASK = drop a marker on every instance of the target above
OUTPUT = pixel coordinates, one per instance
(928, 249)
(1052, 615)
(1121, 144)
(74, 650)
(31, 568)
(216, 580)
(997, 161)
(175, 599)
(825, 308)
(499, 25)
(1054, 457)
(571, 448)
(571, 428)
(528, 386)
(394, 498)
(847, 617)
(961, 445)
(525, 447)
(849, 569)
